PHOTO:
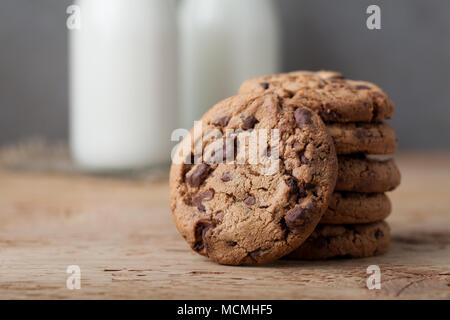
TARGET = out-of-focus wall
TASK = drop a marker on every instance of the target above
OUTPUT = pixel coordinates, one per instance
(409, 57)
(33, 69)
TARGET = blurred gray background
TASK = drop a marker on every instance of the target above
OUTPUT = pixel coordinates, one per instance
(409, 58)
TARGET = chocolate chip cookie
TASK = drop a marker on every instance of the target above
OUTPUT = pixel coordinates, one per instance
(345, 241)
(330, 94)
(232, 208)
(362, 174)
(368, 138)
(356, 208)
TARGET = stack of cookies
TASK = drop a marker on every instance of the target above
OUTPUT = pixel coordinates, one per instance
(326, 198)
(353, 112)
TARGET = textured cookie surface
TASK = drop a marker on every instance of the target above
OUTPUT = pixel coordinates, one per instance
(352, 208)
(345, 241)
(238, 212)
(328, 93)
(362, 174)
(368, 138)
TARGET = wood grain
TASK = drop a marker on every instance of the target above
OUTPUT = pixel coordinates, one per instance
(122, 236)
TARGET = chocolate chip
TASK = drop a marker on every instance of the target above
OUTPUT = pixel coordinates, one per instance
(203, 196)
(199, 227)
(198, 246)
(199, 205)
(298, 217)
(283, 225)
(295, 218)
(207, 195)
(249, 123)
(303, 159)
(302, 117)
(379, 234)
(292, 183)
(199, 175)
(221, 122)
(231, 243)
(226, 177)
(250, 201)
(362, 87)
(205, 230)
(219, 215)
(293, 188)
(302, 191)
(264, 85)
(199, 231)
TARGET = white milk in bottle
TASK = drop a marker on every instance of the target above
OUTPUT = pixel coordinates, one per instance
(122, 83)
(222, 43)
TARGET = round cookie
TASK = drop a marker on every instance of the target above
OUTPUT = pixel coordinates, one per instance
(235, 211)
(368, 138)
(361, 174)
(345, 241)
(328, 93)
(356, 208)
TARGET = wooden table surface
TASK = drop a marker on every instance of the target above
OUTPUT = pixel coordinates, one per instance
(120, 233)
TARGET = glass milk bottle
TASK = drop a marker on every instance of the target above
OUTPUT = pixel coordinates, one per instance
(122, 83)
(222, 43)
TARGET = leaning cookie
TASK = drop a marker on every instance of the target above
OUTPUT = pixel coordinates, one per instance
(368, 138)
(236, 210)
(356, 208)
(345, 241)
(330, 94)
(362, 174)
